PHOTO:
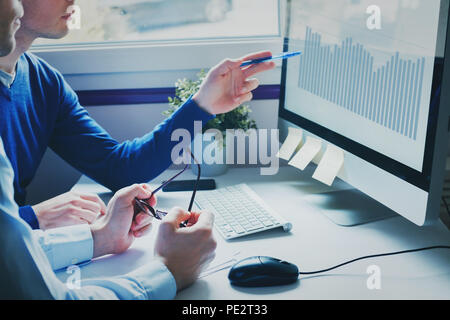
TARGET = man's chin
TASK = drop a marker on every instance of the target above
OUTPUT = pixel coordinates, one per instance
(6, 46)
(56, 35)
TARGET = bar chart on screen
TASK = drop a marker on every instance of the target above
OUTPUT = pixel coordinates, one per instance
(345, 75)
(370, 85)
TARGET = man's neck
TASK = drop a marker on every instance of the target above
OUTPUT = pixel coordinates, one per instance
(23, 43)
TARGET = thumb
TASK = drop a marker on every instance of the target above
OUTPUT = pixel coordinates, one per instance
(153, 199)
(205, 219)
(176, 216)
(135, 191)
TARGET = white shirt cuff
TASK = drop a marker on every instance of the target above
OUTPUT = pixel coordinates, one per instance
(67, 245)
(157, 281)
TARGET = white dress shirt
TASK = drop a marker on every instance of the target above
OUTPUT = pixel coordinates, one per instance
(67, 245)
(63, 246)
(25, 271)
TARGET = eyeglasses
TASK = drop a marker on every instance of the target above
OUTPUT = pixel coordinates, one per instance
(144, 206)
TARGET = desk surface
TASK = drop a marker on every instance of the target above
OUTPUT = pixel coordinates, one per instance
(314, 243)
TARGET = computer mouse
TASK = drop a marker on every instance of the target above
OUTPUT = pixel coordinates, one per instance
(262, 271)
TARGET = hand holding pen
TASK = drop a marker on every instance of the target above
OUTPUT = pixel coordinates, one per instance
(283, 56)
(230, 84)
(227, 85)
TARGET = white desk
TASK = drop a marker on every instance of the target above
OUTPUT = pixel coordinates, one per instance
(314, 243)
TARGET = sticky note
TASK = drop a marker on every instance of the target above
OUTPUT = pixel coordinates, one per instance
(307, 153)
(291, 144)
(329, 166)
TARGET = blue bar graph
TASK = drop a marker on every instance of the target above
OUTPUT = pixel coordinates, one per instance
(346, 75)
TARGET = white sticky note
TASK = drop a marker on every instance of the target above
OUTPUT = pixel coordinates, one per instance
(329, 166)
(291, 143)
(307, 153)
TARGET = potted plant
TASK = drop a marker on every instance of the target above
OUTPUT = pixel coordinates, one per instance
(236, 119)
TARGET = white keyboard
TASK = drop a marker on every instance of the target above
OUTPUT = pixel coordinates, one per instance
(239, 211)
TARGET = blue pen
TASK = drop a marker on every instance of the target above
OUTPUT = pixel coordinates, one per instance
(285, 55)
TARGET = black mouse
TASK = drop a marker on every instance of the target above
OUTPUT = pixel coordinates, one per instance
(262, 272)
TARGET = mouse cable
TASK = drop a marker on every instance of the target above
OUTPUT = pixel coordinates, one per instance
(374, 256)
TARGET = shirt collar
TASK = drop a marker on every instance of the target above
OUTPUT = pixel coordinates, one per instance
(7, 79)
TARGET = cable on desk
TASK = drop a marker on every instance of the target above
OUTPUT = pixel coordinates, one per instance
(374, 256)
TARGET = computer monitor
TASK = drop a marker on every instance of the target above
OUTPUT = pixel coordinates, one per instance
(374, 80)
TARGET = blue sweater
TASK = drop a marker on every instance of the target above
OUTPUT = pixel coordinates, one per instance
(41, 110)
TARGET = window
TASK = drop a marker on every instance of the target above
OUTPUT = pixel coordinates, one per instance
(118, 44)
(111, 21)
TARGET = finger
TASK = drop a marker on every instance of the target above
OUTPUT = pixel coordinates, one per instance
(143, 231)
(258, 68)
(243, 98)
(249, 86)
(227, 66)
(141, 220)
(87, 205)
(205, 220)
(95, 198)
(135, 191)
(193, 218)
(153, 200)
(256, 55)
(80, 213)
(176, 216)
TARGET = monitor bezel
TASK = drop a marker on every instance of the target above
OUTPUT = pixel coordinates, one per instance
(419, 179)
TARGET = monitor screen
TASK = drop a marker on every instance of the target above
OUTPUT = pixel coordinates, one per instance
(369, 78)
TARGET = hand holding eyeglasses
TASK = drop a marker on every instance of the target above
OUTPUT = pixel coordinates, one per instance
(145, 206)
(186, 251)
(116, 230)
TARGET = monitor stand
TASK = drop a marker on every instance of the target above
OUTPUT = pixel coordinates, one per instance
(349, 207)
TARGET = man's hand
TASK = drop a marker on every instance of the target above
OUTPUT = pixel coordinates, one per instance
(116, 230)
(227, 85)
(185, 251)
(69, 209)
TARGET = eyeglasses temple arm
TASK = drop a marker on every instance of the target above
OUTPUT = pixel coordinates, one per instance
(196, 183)
(169, 181)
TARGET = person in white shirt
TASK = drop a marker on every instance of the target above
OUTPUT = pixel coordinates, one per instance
(25, 272)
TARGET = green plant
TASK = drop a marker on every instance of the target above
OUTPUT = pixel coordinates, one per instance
(236, 119)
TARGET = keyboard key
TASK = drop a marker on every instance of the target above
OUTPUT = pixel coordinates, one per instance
(267, 223)
(239, 229)
(253, 228)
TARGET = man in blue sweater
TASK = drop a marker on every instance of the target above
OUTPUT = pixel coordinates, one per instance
(26, 270)
(40, 110)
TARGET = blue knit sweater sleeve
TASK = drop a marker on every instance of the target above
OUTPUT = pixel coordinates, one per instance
(27, 213)
(84, 144)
